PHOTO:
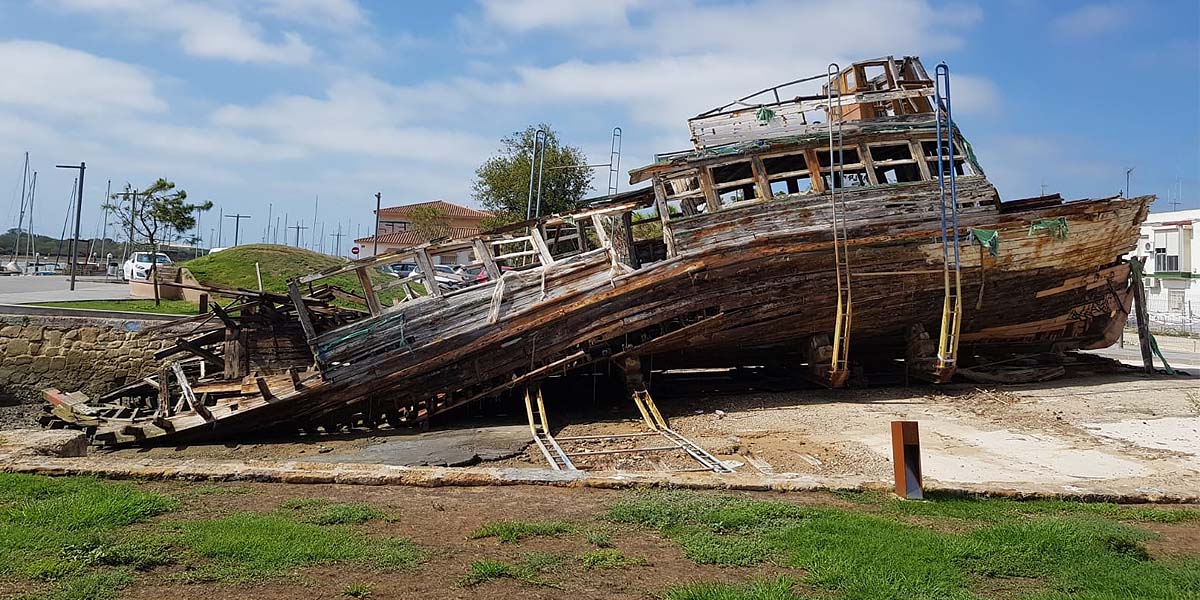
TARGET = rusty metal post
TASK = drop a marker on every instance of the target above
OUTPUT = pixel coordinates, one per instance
(203, 303)
(906, 458)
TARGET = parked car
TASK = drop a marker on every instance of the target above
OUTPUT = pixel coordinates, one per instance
(445, 276)
(137, 266)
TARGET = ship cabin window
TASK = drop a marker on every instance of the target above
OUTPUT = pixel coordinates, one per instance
(930, 149)
(788, 174)
(684, 195)
(852, 172)
(734, 182)
(894, 163)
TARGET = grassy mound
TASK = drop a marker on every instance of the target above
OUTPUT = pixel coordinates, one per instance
(234, 268)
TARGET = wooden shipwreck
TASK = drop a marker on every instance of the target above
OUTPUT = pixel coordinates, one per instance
(853, 226)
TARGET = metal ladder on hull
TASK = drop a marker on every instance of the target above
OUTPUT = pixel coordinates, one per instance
(839, 368)
(947, 356)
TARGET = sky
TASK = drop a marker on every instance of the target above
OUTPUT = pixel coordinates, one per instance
(269, 106)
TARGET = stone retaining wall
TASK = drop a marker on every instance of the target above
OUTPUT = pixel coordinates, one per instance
(71, 353)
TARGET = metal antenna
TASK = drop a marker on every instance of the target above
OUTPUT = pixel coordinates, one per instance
(614, 162)
(538, 150)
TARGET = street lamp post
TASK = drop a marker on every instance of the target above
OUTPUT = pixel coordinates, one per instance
(78, 208)
(375, 236)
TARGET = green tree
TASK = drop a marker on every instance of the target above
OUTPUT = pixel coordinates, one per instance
(502, 182)
(429, 223)
(159, 215)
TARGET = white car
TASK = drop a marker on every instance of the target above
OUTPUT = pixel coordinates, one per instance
(137, 267)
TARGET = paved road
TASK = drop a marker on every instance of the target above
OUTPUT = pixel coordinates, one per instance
(52, 288)
(1181, 352)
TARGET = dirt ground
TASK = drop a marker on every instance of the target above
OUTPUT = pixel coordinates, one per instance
(1121, 428)
(1117, 428)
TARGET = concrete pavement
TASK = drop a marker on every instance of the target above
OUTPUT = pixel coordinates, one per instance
(55, 288)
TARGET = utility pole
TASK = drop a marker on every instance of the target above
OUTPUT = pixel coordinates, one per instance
(285, 228)
(78, 208)
(237, 221)
(375, 236)
(220, 226)
(337, 241)
(298, 227)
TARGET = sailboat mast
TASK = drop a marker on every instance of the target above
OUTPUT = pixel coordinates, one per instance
(32, 237)
(21, 220)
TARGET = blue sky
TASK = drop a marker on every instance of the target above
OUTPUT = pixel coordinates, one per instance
(272, 102)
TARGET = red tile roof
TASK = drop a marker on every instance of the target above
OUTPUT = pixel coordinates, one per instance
(409, 238)
(448, 209)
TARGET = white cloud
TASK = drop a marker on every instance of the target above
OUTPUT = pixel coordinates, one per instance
(974, 95)
(527, 15)
(360, 115)
(47, 78)
(331, 14)
(1093, 19)
(203, 30)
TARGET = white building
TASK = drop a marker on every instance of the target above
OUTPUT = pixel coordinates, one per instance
(1171, 246)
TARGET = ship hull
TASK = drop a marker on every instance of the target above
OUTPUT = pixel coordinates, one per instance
(746, 284)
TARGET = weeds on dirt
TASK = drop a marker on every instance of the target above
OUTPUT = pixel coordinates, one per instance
(599, 539)
(509, 532)
(249, 547)
(777, 589)
(1193, 398)
(609, 558)
(323, 512)
(356, 590)
(529, 571)
(858, 555)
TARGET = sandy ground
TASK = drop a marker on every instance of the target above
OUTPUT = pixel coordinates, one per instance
(1116, 428)
(1124, 428)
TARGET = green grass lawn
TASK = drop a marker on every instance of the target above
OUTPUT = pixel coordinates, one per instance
(167, 307)
(86, 539)
(1051, 550)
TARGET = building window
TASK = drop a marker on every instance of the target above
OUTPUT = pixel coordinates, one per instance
(1175, 301)
(1164, 262)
